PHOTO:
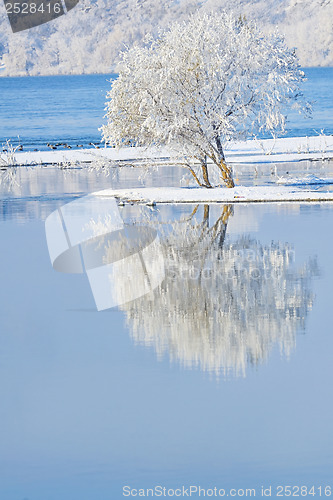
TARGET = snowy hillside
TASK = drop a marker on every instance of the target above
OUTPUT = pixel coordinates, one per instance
(88, 39)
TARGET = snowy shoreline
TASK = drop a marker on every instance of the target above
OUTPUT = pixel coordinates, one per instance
(238, 194)
(288, 149)
(303, 188)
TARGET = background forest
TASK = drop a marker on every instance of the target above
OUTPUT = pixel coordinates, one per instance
(90, 37)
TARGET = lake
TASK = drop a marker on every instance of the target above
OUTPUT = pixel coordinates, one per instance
(214, 367)
(70, 109)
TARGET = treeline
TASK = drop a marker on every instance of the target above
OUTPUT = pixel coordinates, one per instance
(90, 37)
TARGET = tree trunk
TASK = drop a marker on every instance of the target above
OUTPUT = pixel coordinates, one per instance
(219, 147)
(205, 175)
(226, 172)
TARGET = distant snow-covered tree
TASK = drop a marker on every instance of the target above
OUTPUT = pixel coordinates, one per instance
(199, 84)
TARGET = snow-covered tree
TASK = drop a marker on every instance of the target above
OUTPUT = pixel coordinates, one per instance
(103, 27)
(199, 84)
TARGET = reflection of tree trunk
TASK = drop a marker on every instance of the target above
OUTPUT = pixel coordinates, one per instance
(205, 223)
(206, 215)
(218, 230)
(222, 236)
(223, 220)
(194, 212)
(227, 211)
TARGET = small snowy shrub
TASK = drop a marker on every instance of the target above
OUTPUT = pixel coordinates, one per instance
(200, 84)
(7, 157)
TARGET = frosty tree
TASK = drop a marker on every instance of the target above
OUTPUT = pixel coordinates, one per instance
(201, 83)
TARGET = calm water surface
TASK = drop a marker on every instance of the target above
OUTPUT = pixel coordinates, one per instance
(70, 109)
(220, 376)
(53, 109)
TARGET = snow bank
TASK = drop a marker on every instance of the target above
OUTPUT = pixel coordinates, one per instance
(289, 149)
(308, 180)
(239, 194)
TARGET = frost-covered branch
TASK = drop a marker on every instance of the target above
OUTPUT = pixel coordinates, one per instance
(201, 83)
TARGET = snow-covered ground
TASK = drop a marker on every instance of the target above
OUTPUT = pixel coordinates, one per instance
(239, 194)
(301, 188)
(289, 149)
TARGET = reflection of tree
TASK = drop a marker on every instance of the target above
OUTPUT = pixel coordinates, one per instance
(223, 304)
(8, 177)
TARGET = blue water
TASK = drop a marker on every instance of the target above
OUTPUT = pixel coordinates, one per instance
(220, 377)
(318, 89)
(70, 109)
(52, 109)
(91, 403)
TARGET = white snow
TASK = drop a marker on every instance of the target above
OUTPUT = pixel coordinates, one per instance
(287, 149)
(308, 180)
(238, 194)
(266, 151)
(90, 38)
